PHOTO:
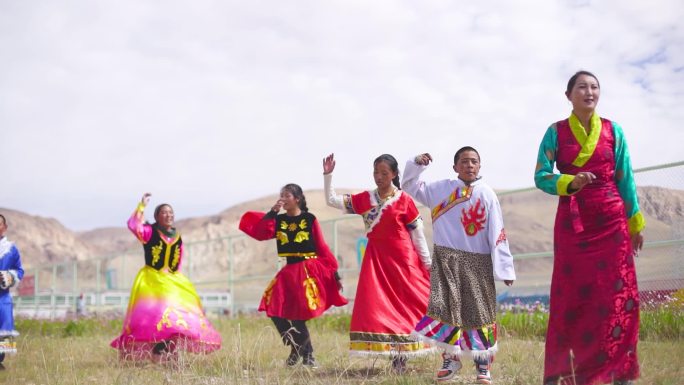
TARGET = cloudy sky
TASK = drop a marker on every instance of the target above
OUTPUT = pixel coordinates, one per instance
(207, 104)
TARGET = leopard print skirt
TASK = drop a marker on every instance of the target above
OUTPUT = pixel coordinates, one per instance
(462, 291)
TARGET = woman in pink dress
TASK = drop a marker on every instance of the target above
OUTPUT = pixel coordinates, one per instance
(394, 282)
(594, 311)
(164, 311)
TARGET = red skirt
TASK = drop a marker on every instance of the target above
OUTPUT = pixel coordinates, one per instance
(301, 291)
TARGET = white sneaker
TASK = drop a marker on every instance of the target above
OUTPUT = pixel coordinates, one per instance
(484, 377)
(450, 366)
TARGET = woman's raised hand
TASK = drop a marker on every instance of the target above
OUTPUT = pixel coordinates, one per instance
(145, 199)
(328, 164)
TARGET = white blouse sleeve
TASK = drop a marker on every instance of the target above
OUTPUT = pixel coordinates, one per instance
(420, 243)
(412, 184)
(502, 259)
(332, 199)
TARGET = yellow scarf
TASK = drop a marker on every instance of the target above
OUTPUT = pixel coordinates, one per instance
(588, 142)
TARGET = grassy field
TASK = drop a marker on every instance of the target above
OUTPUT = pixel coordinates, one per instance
(78, 352)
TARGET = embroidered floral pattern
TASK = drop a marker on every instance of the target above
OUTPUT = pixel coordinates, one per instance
(165, 320)
(301, 236)
(176, 258)
(313, 298)
(269, 291)
(281, 236)
(156, 252)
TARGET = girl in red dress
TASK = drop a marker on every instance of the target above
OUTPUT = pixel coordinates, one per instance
(308, 284)
(394, 282)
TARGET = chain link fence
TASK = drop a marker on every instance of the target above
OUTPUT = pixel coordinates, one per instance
(102, 284)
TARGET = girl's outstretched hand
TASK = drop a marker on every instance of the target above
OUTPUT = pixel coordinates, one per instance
(145, 199)
(328, 164)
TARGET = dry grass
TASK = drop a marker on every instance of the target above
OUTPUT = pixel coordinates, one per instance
(252, 354)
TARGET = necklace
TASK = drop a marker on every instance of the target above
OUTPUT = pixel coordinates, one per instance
(383, 200)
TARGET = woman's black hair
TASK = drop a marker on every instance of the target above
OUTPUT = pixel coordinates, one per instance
(573, 80)
(4, 221)
(393, 165)
(464, 149)
(297, 192)
(158, 209)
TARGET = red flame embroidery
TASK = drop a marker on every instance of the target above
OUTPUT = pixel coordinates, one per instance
(474, 220)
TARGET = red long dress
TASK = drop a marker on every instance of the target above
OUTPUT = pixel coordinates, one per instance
(394, 287)
(594, 310)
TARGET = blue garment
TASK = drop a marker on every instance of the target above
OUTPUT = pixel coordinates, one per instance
(10, 261)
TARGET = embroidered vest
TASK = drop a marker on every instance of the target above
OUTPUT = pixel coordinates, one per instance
(159, 253)
(293, 235)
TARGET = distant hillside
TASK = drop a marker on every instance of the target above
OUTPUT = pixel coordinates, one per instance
(528, 216)
(45, 240)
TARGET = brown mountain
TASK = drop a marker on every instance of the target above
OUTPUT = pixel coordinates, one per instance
(528, 216)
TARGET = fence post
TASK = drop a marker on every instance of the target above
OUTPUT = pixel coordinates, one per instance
(121, 276)
(231, 284)
(188, 271)
(53, 304)
(36, 298)
(74, 286)
(97, 284)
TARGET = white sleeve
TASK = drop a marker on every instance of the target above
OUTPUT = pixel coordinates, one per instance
(15, 276)
(420, 244)
(332, 199)
(412, 184)
(502, 259)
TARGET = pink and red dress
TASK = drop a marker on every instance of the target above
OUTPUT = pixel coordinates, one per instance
(164, 306)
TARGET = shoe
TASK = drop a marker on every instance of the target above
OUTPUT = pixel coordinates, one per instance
(484, 377)
(623, 382)
(399, 364)
(310, 361)
(293, 358)
(450, 366)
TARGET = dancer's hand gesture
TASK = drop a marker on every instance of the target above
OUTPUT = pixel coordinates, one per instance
(145, 199)
(277, 206)
(637, 243)
(581, 179)
(328, 164)
(423, 159)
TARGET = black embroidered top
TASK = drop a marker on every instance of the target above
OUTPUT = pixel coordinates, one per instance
(294, 236)
(160, 253)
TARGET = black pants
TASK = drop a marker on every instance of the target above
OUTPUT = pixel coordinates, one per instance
(295, 334)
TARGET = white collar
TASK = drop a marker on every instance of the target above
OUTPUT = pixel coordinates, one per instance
(5, 246)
